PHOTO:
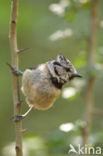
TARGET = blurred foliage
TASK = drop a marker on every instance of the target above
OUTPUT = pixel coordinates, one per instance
(38, 27)
(74, 8)
(56, 142)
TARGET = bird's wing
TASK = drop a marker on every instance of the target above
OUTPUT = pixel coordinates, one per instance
(34, 67)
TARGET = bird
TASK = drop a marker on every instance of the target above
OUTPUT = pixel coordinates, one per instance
(42, 84)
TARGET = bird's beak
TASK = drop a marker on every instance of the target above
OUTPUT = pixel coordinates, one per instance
(77, 75)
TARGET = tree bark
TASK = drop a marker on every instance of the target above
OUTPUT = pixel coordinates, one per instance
(15, 78)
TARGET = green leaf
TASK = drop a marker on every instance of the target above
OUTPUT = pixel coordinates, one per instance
(70, 16)
(80, 62)
(86, 5)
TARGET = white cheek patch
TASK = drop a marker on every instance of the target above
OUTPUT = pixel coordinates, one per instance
(51, 69)
(74, 71)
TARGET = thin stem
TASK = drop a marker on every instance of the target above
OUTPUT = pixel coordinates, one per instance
(91, 63)
(98, 112)
(15, 79)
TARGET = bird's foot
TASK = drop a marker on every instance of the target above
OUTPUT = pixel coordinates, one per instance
(13, 70)
(17, 72)
(17, 118)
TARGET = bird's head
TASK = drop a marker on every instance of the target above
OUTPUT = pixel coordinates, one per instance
(66, 69)
(62, 69)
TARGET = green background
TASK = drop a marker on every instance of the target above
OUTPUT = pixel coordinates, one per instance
(35, 24)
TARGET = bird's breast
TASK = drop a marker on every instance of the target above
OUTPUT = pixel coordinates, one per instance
(39, 90)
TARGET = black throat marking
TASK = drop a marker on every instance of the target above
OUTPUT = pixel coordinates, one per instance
(57, 84)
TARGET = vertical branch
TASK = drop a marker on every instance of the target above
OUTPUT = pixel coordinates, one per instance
(91, 63)
(15, 80)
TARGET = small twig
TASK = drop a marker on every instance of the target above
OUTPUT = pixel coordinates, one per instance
(23, 130)
(97, 112)
(22, 50)
(11, 67)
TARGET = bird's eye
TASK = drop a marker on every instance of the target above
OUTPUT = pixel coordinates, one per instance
(67, 69)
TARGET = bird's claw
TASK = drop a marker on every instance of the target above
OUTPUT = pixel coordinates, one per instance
(17, 118)
(17, 72)
(13, 70)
